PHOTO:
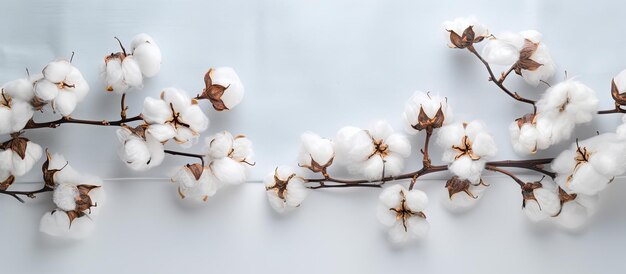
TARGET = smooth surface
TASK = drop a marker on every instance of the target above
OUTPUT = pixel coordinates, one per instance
(306, 65)
(145, 228)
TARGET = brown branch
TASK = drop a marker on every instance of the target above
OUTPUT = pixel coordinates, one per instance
(498, 83)
(179, 153)
(536, 165)
(123, 107)
(69, 120)
(30, 194)
(617, 109)
(507, 173)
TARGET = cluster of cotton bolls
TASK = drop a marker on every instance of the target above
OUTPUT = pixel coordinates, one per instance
(62, 85)
(124, 71)
(229, 158)
(78, 199)
(174, 115)
(402, 211)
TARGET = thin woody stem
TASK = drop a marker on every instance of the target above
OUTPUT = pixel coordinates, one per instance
(506, 74)
(536, 165)
(498, 83)
(29, 194)
(69, 120)
(426, 159)
(617, 109)
(121, 46)
(507, 173)
(123, 107)
(180, 153)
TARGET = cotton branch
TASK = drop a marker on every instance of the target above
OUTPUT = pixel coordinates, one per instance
(499, 81)
(179, 153)
(69, 120)
(30, 194)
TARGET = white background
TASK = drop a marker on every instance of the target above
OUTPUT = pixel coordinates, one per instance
(306, 65)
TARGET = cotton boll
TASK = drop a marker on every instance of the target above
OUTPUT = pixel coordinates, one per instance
(148, 55)
(401, 211)
(22, 166)
(315, 148)
(342, 143)
(45, 90)
(242, 149)
(416, 228)
(228, 78)
(450, 135)
(380, 129)
(504, 49)
(546, 204)
(228, 170)
(466, 168)
(21, 89)
(195, 118)
(360, 147)
(372, 168)
(57, 223)
(545, 71)
(571, 99)
(5, 120)
(56, 71)
(394, 164)
(65, 103)
(587, 180)
(416, 200)
(81, 87)
(112, 74)
(139, 153)
(399, 144)
(391, 196)
(64, 196)
(156, 111)
(621, 129)
(132, 72)
(161, 132)
(285, 190)
(21, 113)
(430, 104)
(573, 215)
(220, 145)
(386, 216)
(484, 145)
(462, 201)
(459, 25)
(194, 189)
(177, 98)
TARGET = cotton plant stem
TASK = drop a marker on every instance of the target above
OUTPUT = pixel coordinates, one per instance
(507, 173)
(69, 120)
(123, 107)
(498, 81)
(617, 109)
(180, 153)
(30, 194)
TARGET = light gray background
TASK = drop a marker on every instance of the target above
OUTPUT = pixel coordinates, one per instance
(306, 65)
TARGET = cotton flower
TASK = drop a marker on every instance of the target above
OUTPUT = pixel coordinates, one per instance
(590, 165)
(538, 202)
(316, 153)
(530, 133)
(63, 85)
(466, 148)
(465, 31)
(524, 52)
(223, 88)
(463, 194)
(147, 54)
(138, 149)
(425, 111)
(575, 209)
(195, 182)
(174, 115)
(372, 152)
(19, 155)
(402, 211)
(230, 157)
(285, 189)
(14, 112)
(121, 73)
(73, 225)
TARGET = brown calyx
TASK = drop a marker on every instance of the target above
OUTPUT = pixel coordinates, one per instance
(524, 62)
(196, 170)
(83, 200)
(280, 186)
(529, 118)
(465, 40)
(620, 98)
(48, 174)
(425, 122)
(528, 193)
(17, 144)
(465, 149)
(456, 185)
(7, 182)
(403, 212)
(213, 92)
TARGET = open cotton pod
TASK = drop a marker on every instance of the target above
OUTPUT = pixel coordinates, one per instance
(462, 195)
(223, 88)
